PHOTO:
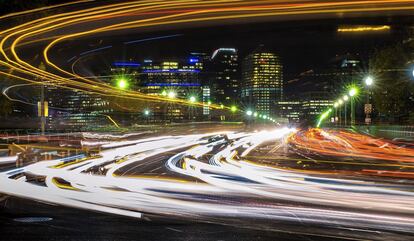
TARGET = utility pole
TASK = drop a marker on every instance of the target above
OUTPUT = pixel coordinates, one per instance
(42, 106)
(345, 114)
(42, 110)
(352, 111)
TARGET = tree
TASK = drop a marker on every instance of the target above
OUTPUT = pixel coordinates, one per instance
(393, 87)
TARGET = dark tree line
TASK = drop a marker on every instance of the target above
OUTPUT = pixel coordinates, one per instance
(393, 92)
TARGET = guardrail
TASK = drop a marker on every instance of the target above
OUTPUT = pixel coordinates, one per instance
(388, 131)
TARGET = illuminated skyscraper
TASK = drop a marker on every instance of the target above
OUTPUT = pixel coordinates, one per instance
(262, 81)
(226, 79)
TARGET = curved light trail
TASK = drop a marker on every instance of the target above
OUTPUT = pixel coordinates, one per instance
(207, 177)
(346, 144)
(67, 28)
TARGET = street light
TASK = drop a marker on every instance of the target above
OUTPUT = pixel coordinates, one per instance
(255, 114)
(367, 108)
(193, 99)
(233, 108)
(336, 104)
(122, 83)
(249, 113)
(353, 91)
(164, 93)
(146, 114)
(171, 94)
(345, 98)
(369, 81)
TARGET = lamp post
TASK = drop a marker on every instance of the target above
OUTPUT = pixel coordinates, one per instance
(336, 104)
(368, 107)
(192, 100)
(249, 114)
(340, 102)
(233, 110)
(171, 95)
(352, 92)
(146, 114)
(345, 99)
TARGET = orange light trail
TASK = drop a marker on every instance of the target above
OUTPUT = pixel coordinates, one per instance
(142, 14)
(346, 144)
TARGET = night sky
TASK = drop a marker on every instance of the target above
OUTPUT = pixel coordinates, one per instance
(302, 45)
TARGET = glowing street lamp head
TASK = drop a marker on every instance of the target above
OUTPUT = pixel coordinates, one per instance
(340, 102)
(171, 94)
(233, 108)
(193, 99)
(146, 112)
(264, 116)
(249, 113)
(369, 81)
(122, 83)
(255, 114)
(336, 104)
(345, 98)
(353, 91)
(208, 102)
(164, 93)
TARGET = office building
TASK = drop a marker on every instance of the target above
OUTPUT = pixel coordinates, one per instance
(225, 84)
(262, 81)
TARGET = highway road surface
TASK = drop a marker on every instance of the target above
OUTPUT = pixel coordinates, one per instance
(220, 178)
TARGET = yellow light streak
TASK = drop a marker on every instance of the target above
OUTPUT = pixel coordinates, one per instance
(364, 29)
(171, 13)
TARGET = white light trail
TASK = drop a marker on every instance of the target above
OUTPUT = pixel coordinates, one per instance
(221, 173)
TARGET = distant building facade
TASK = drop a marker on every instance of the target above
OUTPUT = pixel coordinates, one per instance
(262, 80)
(314, 91)
(226, 82)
